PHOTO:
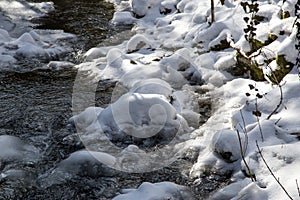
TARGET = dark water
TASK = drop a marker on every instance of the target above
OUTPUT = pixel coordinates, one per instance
(88, 19)
(36, 104)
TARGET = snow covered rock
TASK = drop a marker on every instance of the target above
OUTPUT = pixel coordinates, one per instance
(140, 7)
(95, 52)
(142, 116)
(226, 145)
(137, 42)
(162, 190)
(59, 65)
(80, 163)
(252, 191)
(14, 149)
(124, 18)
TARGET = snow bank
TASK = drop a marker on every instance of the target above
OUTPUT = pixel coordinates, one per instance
(174, 56)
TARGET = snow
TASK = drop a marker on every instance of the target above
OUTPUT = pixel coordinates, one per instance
(171, 47)
(162, 190)
(19, 40)
(13, 149)
(162, 71)
(79, 163)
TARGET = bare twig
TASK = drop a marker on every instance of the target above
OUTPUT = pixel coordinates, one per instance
(245, 132)
(279, 104)
(243, 157)
(212, 11)
(298, 188)
(259, 126)
(277, 179)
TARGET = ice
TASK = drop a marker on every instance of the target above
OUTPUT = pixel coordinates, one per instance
(162, 190)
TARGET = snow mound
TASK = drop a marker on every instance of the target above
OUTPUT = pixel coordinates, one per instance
(80, 163)
(141, 116)
(15, 150)
(162, 190)
(137, 42)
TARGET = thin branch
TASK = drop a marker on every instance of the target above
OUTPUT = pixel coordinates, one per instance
(277, 179)
(212, 11)
(243, 157)
(298, 188)
(257, 118)
(279, 104)
(245, 132)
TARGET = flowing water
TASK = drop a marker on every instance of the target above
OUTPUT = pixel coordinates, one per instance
(36, 103)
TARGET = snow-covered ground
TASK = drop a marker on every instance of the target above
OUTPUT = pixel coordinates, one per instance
(176, 59)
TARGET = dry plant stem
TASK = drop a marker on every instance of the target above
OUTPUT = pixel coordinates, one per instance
(277, 179)
(245, 132)
(243, 157)
(212, 11)
(259, 126)
(280, 101)
(298, 188)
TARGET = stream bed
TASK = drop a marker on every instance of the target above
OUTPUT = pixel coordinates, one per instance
(36, 104)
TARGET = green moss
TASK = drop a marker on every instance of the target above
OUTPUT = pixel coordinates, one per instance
(255, 45)
(246, 66)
